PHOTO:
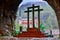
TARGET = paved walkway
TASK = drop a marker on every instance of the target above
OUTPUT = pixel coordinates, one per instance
(12, 38)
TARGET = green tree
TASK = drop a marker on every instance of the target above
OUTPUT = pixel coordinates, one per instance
(42, 27)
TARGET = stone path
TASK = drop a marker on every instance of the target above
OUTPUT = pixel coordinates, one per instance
(13, 38)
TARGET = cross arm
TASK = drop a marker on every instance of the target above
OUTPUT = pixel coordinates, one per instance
(35, 10)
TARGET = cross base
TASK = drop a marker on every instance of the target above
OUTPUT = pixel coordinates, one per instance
(32, 32)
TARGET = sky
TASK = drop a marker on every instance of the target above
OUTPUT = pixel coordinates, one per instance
(24, 1)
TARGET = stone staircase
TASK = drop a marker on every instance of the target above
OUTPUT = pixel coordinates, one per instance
(32, 32)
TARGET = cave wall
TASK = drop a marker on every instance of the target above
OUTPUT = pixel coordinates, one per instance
(7, 15)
